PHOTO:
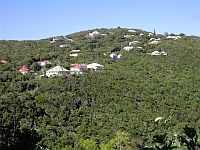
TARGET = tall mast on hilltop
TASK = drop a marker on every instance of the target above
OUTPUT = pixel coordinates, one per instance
(154, 32)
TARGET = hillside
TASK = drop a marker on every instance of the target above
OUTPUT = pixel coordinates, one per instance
(123, 99)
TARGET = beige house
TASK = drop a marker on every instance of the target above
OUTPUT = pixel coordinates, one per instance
(75, 53)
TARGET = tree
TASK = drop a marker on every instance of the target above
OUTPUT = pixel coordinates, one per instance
(88, 144)
(120, 142)
(172, 34)
(35, 66)
(162, 142)
(181, 34)
(166, 34)
(15, 139)
(190, 138)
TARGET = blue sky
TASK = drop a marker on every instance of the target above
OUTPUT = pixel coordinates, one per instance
(37, 19)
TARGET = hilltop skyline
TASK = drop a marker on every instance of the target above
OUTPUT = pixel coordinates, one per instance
(30, 20)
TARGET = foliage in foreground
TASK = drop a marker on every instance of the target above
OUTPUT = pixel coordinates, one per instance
(167, 141)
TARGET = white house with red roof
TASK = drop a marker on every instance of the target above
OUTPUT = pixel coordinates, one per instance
(2, 61)
(77, 68)
(25, 70)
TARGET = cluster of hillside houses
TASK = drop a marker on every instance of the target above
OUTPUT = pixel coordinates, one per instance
(59, 70)
(79, 68)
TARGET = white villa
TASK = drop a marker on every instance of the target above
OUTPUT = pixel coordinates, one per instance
(157, 53)
(44, 63)
(94, 34)
(131, 31)
(154, 41)
(77, 68)
(128, 36)
(133, 43)
(75, 53)
(150, 34)
(63, 46)
(70, 40)
(58, 38)
(128, 48)
(57, 70)
(95, 66)
(139, 47)
(115, 56)
(163, 53)
(173, 37)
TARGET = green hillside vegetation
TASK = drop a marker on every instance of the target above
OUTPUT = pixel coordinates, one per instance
(114, 108)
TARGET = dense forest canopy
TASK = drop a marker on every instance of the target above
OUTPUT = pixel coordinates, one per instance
(138, 101)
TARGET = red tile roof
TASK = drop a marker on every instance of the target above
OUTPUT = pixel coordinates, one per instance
(79, 66)
(2, 61)
(24, 70)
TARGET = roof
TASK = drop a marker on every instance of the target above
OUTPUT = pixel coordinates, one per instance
(44, 61)
(94, 65)
(24, 69)
(79, 66)
(2, 61)
(154, 39)
(149, 34)
(75, 51)
(94, 34)
(154, 42)
(59, 37)
(131, 30)
(57, 69)
(159, 53)
(133, 42)
(173, 37)
(158, 118)
(63, 45)
(127, 48)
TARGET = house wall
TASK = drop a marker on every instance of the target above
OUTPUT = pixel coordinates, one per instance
(54, 73)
